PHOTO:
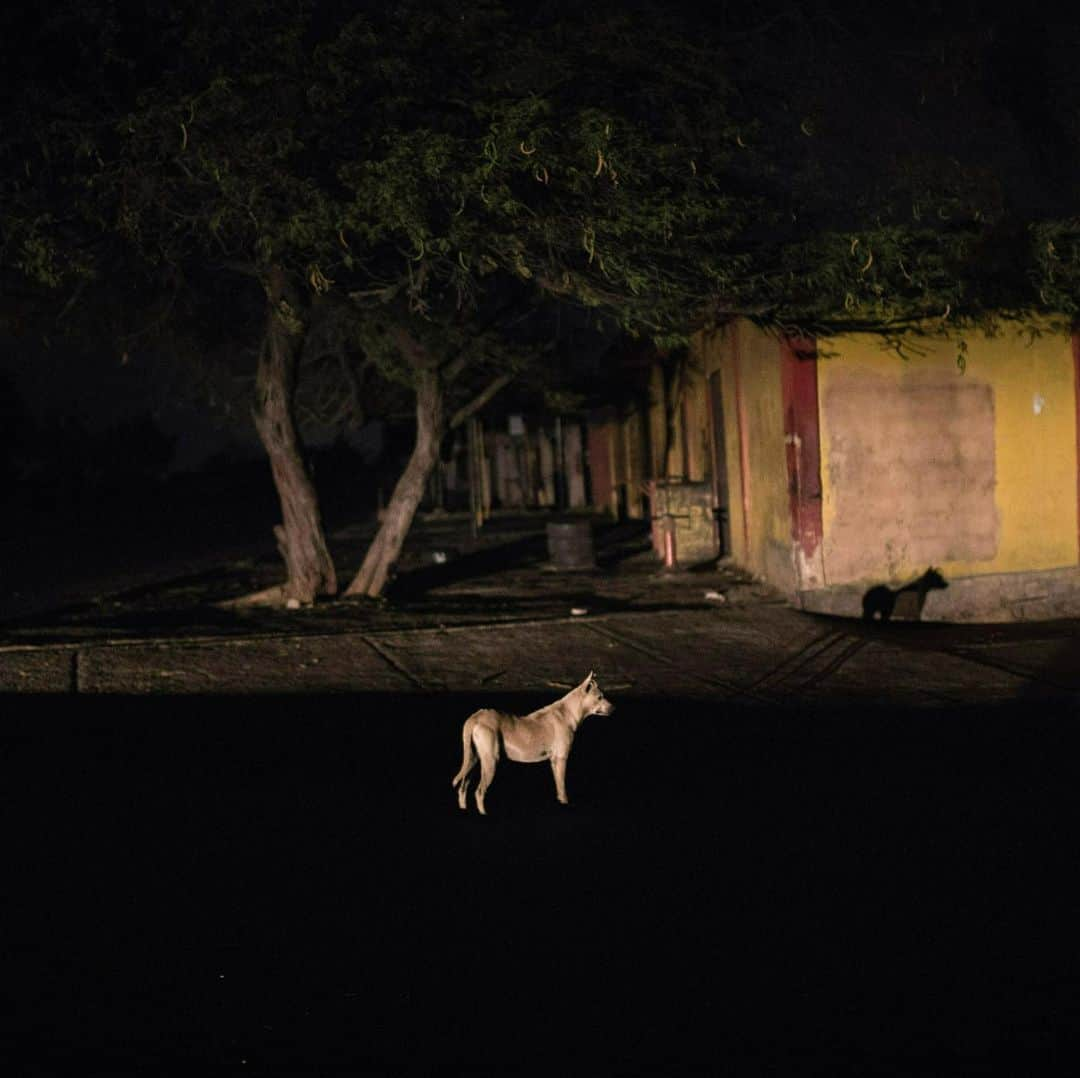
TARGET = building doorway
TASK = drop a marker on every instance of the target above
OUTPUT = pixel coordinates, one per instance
(719, 464)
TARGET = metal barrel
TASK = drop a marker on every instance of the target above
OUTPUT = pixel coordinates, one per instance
(570, 544)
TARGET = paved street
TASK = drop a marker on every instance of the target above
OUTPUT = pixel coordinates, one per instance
(758, 652)
(799, 844)
(285, 882)
(495, 618)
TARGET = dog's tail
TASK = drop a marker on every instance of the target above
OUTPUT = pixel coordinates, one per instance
(468, 755)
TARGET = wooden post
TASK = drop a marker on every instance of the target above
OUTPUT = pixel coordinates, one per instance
(560, 467)
(485, 473)
(476, 490)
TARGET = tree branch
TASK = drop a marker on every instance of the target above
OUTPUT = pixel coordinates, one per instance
(461, 357)
(479, 401)
(411, 350)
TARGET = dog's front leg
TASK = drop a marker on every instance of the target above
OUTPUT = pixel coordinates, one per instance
(558, 769)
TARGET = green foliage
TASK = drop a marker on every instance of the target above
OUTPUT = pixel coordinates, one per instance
(1055, 264)
(664, 166)
(417, 154)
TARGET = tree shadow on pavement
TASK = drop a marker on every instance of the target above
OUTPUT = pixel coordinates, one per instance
(614, 543)
(413, 583)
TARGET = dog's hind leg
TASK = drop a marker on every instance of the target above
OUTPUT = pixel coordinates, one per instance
(487, 747)
(468, 762)
(463, 791)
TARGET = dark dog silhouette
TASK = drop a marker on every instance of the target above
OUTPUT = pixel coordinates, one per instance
(908, 601)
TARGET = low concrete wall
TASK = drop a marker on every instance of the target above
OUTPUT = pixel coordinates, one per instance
(687, 509)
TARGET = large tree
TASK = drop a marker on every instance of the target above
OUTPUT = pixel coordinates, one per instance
(428, 165)
(426, 162)
(488, 151)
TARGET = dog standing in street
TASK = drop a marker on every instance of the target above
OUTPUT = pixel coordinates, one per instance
(546, 734)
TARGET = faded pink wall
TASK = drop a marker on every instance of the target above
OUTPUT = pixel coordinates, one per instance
(911, 471)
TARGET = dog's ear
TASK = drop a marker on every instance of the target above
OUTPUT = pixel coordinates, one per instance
(590, 676)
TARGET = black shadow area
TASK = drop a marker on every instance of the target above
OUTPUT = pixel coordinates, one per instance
(287, 882)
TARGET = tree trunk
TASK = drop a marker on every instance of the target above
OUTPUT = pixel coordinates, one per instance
(300, 538)
(674, 374)
(386, 546)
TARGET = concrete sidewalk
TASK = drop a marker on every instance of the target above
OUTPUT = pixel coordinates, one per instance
(759, 653)
(496, 619)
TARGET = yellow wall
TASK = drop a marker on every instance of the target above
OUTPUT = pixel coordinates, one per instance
(656, 422)
(618, 461)
(605, 434)
(770, 510)
(711, 350)
(696, 423)
(690, 449)
(634, 455)
(971, 471)
(737, 498)
(759, 511)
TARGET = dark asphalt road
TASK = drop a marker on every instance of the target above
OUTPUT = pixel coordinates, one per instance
(269, 883)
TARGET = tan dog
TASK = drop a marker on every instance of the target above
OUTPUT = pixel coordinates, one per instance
(546, 734)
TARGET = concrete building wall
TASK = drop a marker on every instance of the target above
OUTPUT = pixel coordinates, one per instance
(972, 471)
(713, 349)
(656, 422)
(545, 464)
(739, 491)
(849, 467)
(635, 444)
(753, 428)
(574, 462)
(601, 435)
(761, 393)
(506, 467)
(695, 422)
